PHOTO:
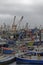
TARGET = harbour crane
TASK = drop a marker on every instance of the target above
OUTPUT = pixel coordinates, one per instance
(13, 25)
(26, 27)
(4, 26)
(20, 22)
(14, 21)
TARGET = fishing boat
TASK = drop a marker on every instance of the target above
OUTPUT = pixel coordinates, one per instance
(30, 58)
(7, 55)
(8, 50)
(6, 59)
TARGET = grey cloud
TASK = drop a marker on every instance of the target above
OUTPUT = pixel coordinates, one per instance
(33, 13)
(16, 8)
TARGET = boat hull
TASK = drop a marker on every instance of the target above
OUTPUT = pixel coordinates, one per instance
(7, 61)
(25, 61)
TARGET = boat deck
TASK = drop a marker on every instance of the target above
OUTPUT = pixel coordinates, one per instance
(33, 58)
(5, 57)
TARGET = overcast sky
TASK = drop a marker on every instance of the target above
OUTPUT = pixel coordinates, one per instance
(32, 10)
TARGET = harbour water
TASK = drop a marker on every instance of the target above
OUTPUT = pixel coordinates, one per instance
(21, 64)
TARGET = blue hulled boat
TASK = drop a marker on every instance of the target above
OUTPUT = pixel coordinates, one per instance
(30, 58)
(7, 55)
(26, 61)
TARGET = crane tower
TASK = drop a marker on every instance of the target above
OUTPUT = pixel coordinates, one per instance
(13, 25)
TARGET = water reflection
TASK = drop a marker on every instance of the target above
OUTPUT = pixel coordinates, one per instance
(21, 64)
